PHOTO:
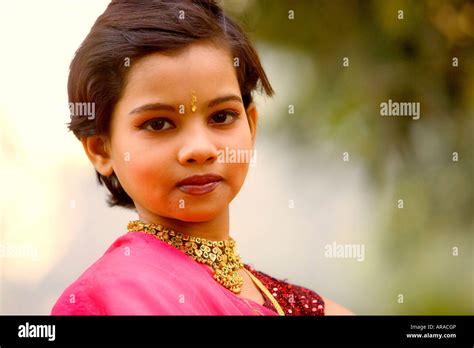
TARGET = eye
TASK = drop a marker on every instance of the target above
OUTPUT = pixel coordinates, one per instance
(224, 117)
(157, 124)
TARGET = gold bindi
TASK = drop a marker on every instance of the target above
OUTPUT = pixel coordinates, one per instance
(193, 102)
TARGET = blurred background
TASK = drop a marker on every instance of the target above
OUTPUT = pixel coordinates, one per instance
(331, 172)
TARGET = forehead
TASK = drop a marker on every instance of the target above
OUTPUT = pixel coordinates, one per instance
(202, 67)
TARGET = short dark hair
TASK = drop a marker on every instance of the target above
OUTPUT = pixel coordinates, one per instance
(131, 29)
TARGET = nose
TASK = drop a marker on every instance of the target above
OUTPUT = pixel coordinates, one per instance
(197, 148)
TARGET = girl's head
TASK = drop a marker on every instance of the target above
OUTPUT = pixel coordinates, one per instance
(170, 84)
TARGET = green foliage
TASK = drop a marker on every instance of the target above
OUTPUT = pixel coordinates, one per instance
(409, 59)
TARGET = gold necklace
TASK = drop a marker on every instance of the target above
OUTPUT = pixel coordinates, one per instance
(220, 255)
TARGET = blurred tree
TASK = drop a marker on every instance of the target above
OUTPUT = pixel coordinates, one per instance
(410, 51)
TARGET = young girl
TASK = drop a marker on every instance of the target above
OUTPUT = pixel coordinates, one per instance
(170, 84)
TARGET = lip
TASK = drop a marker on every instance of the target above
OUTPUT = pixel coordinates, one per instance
(200, 184)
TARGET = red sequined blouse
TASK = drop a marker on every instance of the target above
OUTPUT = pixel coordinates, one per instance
(293, 299)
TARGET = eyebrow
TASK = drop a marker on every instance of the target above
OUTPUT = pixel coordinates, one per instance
(167, 107)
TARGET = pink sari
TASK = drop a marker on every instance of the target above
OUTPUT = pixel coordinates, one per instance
(141, 275)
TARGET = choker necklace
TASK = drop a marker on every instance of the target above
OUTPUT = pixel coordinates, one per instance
(220, 255)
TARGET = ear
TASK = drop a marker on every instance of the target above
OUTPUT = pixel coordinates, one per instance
(97, 149)
(252, 116)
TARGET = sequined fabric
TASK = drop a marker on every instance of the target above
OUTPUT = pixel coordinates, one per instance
(294, 300)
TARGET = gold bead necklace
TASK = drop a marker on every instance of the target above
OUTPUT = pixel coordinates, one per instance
(220, 255)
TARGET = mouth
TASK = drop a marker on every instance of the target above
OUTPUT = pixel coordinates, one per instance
(199, 184)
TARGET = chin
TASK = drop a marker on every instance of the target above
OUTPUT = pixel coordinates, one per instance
(196, 216)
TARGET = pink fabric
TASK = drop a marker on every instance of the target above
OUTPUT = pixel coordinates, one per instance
(141, 275)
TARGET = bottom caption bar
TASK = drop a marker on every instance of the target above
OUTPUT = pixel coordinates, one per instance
(133, 331)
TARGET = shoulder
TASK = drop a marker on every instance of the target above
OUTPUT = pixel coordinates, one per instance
(301, 300)
(78, 299)
(294, 299)
(333, 308)
(133, 267)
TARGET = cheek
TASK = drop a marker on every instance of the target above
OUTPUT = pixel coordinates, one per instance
(237, 173)
(140, 168)
(242, 137)
(239, 146)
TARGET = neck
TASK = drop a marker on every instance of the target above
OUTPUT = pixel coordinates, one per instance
(215, 229)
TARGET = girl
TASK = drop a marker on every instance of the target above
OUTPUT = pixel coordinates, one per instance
(171, 87)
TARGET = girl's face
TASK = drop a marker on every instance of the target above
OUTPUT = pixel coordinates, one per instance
(176, 114)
